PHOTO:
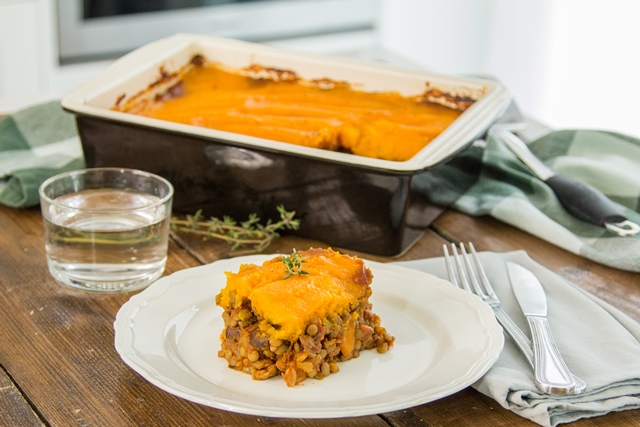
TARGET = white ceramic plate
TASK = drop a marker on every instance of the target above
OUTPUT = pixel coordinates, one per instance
(446, 339)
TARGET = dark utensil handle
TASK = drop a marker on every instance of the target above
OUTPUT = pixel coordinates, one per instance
(584, 201)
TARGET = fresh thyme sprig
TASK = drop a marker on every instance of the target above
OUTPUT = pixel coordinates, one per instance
(246, 233)
(293, 263)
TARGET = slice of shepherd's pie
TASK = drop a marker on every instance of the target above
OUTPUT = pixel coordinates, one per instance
(298, 315)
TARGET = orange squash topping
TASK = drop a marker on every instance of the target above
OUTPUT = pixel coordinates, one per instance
(277, 105)
(333, 282)
(299, 322)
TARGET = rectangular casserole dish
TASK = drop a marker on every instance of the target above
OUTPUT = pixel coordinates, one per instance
(371, 205)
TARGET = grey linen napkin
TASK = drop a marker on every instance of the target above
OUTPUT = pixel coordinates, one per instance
(35, 144)
(600, 344)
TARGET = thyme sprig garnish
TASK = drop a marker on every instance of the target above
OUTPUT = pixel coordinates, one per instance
(293, 264)
(245, 233)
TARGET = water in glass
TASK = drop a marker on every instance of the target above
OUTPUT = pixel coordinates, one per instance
(107, 239)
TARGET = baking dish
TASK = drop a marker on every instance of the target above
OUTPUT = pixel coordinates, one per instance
(372, 205)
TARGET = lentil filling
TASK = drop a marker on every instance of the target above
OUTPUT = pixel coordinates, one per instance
(302, 326)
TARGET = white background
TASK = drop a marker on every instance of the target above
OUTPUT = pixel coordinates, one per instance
(569, 63)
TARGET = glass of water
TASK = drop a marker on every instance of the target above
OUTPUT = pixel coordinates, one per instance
(106, 229)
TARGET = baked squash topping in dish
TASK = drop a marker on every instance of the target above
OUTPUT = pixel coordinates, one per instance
(278, 105)
(298, 316)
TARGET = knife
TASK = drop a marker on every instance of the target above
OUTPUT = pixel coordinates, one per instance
(581, 200)
(551, 373)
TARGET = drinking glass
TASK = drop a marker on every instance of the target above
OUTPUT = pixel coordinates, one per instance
(106, 229)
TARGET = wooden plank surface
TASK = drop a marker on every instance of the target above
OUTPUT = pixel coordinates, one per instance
(58, 346)
(58, 356)
(14, 409)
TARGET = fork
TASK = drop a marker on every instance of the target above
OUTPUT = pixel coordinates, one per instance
(478, 283)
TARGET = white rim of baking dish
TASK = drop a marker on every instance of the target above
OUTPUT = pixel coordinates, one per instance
(105, 87)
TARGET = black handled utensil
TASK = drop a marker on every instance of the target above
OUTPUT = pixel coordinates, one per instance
(582, 200)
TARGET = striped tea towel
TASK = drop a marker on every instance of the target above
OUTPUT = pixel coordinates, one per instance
(510, 192)
(35, 144)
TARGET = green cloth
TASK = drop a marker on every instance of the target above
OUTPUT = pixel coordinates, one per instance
(509, 191)
(35, 144)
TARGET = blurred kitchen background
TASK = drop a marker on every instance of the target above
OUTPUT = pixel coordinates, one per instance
(569, 63)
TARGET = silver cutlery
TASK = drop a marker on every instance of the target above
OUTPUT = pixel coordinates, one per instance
(551, 372)
(477, 282)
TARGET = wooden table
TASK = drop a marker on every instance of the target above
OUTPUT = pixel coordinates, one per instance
(60, 368)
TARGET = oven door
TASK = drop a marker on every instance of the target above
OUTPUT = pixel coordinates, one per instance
(92, 30)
